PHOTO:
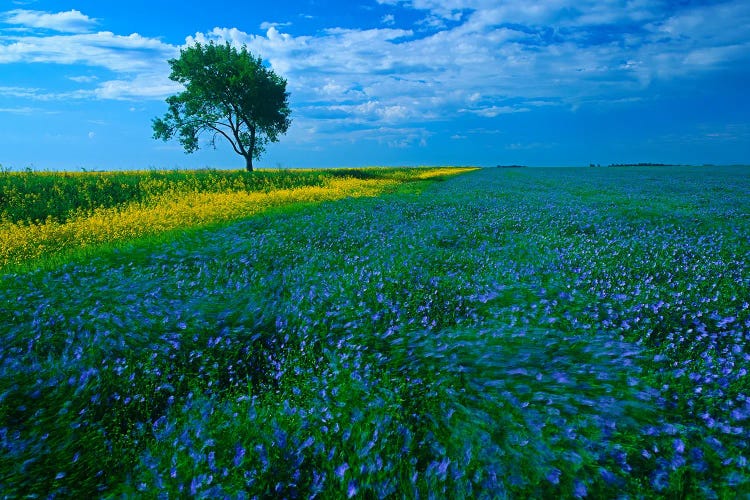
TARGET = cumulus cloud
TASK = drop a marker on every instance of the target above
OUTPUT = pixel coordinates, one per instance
(72, 21)
(139, 62)
(130, 53)
(141, 86)
(447, 9)
(478, 57)
(490, 60)
(558, 12)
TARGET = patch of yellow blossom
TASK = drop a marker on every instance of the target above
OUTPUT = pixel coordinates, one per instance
(443, 172)
(24, 242)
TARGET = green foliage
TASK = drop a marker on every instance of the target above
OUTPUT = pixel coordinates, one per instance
(229, 93)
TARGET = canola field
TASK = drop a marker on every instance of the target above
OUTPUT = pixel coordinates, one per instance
(503, 333)
(53, 215)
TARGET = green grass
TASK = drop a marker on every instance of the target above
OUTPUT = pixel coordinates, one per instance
(526, 333)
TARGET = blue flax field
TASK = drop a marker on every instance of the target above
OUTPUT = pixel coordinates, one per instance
(503, 333)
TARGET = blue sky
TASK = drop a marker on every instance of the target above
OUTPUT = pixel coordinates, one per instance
(388, 82)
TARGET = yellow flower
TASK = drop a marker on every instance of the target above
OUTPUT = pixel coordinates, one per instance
(181, 204)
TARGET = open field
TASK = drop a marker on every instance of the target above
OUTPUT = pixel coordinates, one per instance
(501, 333)
(57, 216)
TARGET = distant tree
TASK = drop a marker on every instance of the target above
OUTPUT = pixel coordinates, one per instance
(228, 93)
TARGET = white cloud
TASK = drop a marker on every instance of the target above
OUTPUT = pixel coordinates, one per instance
(22, 92)
(24, 110)
(527, 54)
(432, 22)
(142, 86)
(392, 137)
(447, 9)
(718, 23)
(268, 25)
(480, 57)
(131, 53)
(558, 12)
(374, 111)
(493, 111)
(72, 21)
(83, 78)
(38, 94)
(139, 62)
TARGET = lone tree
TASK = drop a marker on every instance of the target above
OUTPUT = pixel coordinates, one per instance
(228, 93)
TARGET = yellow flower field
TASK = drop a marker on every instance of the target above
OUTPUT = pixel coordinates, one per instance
(22, 242)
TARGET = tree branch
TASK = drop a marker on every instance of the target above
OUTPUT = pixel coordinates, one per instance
(210, 125)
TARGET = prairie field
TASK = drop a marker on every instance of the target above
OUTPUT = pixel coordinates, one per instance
(447, 333)
(48, 216)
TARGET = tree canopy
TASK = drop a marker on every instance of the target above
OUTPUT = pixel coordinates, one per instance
(228, 93)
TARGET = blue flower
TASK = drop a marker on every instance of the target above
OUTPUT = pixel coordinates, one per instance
(553, 476)
(341, 470)
(579, 489)
(238, 455)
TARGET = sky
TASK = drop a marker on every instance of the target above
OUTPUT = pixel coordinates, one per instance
(387, 82)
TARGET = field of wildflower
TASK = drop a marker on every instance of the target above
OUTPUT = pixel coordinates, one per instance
(519, 333)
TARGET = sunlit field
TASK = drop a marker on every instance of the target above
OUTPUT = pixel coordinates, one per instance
(502, 333)
(54, 215)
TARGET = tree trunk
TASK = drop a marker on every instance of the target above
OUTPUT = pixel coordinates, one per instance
(250, 149)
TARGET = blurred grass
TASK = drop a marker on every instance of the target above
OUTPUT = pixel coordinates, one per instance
(545, 333)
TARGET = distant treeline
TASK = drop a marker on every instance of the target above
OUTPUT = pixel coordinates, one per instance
(642, 165)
